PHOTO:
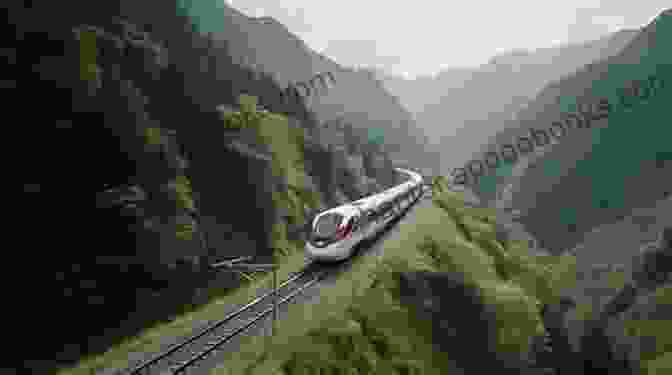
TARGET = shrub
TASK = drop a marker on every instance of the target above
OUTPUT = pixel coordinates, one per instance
(183, 190)
(185, 230)
(153, 136)
(659, 365)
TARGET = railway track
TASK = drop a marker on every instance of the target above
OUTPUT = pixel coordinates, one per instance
(181, 357)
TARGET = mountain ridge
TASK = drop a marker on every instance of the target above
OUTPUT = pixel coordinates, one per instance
(483, 99)
(572, 181)
(271, 48)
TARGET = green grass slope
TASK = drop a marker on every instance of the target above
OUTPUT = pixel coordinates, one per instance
(373, 332)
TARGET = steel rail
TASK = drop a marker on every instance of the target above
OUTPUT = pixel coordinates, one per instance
(145, 365)
(210, 348)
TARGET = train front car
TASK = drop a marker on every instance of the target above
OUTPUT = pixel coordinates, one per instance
(334, 234)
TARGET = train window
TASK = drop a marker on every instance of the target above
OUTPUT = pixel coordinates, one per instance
(327, 225)
(355, 223)
(387, 209)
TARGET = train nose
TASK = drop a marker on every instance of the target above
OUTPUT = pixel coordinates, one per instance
(314, 252)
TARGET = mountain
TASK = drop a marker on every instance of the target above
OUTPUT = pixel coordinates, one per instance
(417, 93)
(268, 46)
(607, 167)
(134, 182)
(461, 108)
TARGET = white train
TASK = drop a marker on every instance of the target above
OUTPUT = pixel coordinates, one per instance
(336, 232)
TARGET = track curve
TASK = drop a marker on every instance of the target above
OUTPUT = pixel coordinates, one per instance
(181, 358)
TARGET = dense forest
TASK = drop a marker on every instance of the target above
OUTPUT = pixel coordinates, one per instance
(123, 104)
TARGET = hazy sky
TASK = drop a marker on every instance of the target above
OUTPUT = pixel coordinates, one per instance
(424, 36)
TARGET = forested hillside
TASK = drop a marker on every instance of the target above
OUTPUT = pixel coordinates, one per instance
(604, 166)
(137, 180)
(268, 46)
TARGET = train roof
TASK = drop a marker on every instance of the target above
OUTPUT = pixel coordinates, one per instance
(346, 210)
(375, 200)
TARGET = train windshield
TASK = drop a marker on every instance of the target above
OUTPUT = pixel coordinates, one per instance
(327, 225)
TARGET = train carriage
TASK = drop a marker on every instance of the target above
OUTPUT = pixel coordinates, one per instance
(337, 231)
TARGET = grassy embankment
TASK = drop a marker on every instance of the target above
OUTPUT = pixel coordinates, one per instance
(359, 327)
(274, 131)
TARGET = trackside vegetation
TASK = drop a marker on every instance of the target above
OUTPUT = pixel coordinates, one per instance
(291, 196)
(360, 326)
